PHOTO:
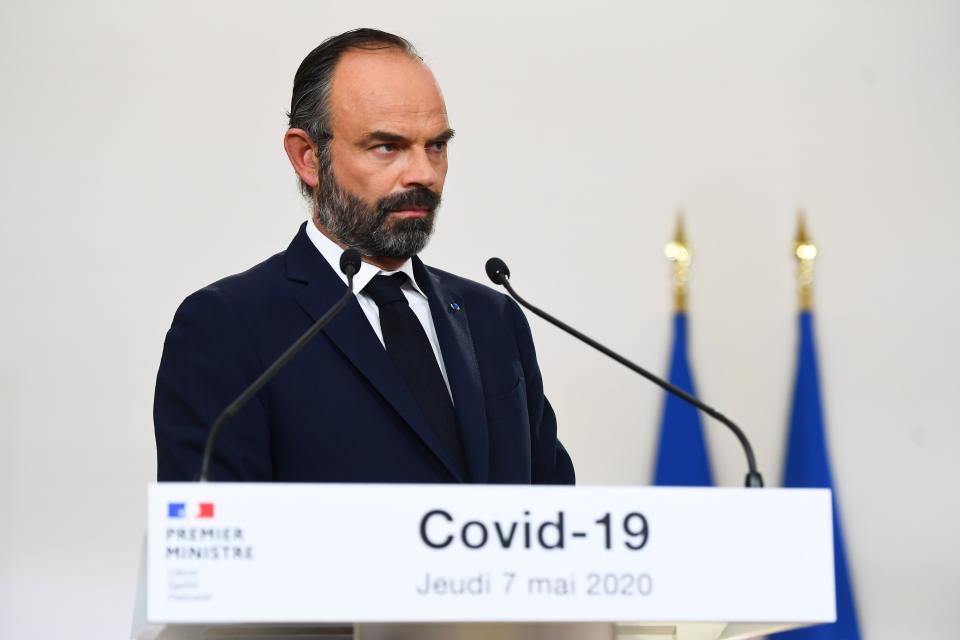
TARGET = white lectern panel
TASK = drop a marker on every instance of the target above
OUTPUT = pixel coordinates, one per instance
(275, 553)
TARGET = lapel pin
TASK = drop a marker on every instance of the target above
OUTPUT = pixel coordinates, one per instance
(454, 306)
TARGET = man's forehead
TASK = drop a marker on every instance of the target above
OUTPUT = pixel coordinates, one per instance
(386, 88)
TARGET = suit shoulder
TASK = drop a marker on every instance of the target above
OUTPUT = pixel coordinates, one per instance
(257, 285)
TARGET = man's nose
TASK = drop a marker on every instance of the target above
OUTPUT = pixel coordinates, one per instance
(420, 170)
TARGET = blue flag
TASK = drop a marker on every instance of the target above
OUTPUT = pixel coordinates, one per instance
(808, 465)
(682, 452)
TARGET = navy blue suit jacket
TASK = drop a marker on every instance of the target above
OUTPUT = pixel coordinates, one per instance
(339, 411)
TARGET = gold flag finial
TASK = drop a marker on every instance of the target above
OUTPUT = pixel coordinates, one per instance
(806, 252)
(678, 253)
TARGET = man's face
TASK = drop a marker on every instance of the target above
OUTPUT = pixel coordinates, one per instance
(388, 157)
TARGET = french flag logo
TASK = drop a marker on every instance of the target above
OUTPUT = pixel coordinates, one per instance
(192, 510)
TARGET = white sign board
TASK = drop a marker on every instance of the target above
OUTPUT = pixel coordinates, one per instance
(236, 553)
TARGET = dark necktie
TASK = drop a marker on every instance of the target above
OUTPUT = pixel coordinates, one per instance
(409, 348)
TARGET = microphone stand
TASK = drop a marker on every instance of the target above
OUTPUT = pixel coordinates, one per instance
(350, 265)
(754, 479)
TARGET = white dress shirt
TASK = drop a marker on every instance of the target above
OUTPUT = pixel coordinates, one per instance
(417, 299)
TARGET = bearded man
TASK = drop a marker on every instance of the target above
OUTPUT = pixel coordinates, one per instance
(424, 376)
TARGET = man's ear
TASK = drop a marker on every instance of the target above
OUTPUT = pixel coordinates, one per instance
(302, 151)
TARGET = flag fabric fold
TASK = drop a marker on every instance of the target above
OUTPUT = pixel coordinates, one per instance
(808, 465)
(682, 451)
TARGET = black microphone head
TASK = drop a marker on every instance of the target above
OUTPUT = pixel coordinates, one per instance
(497, 270)
(350, 262)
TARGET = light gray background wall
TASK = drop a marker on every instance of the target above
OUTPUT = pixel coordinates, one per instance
(140, 159)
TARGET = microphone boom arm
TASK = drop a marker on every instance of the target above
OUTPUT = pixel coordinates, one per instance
(349, 264)
(754, 479)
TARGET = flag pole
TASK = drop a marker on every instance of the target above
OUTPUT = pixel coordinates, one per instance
(806, 253)
(807, 462)
(681, 458)
(679, 254)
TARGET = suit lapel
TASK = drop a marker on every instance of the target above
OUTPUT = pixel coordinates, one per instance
(352, 334)
(460, 361)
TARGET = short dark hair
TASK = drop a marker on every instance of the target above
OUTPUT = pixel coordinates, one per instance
(310, 103)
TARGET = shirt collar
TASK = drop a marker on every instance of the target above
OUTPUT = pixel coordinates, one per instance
(331, 252)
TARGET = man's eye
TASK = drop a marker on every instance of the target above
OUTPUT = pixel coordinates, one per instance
(385, 148)
(437, 146)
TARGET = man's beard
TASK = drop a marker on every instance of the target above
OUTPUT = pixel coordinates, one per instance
(369, 229)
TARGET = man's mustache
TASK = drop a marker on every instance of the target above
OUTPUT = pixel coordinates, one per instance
(416, 198)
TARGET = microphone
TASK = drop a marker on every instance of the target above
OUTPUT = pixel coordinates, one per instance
(349, 265)
(499, 273)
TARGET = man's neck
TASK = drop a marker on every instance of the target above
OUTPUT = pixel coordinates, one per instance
(387, 264)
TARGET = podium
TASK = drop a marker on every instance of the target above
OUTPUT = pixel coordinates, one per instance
(378, 562)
